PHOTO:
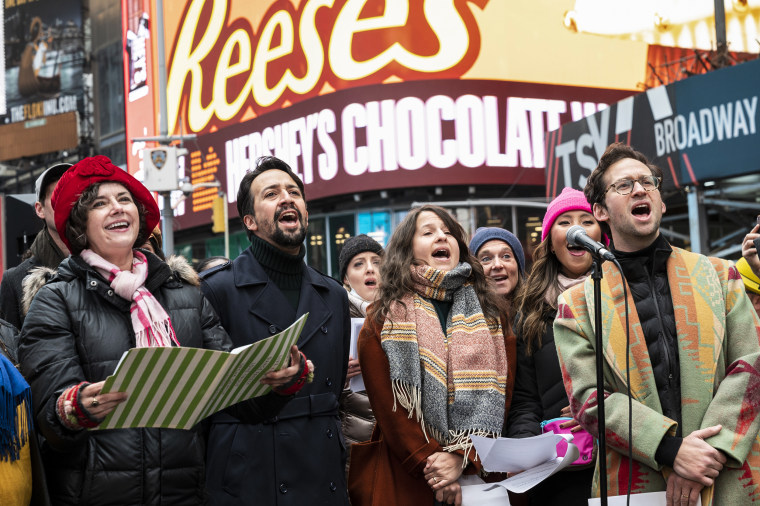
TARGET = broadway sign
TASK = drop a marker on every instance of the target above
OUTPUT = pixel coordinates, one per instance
(700, 129)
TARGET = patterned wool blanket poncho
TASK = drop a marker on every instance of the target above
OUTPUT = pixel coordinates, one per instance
(453, 382)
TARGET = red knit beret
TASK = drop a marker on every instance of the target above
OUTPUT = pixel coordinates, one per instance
(93, 170)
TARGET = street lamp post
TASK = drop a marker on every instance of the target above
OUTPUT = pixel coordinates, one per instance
(164, 182)
(223, 194)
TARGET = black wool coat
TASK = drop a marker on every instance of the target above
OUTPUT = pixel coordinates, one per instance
(297, 457)
(44, 254)
(11, 291)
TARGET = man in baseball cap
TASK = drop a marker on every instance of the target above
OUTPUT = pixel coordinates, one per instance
(47, 249)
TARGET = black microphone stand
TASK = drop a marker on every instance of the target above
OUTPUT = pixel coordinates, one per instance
(596, 275)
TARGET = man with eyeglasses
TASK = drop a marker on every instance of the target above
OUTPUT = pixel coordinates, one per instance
(694, 352)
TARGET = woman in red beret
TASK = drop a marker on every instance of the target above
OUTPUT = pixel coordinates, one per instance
(106, 298)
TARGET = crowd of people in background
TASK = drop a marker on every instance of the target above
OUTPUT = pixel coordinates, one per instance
(458, 338)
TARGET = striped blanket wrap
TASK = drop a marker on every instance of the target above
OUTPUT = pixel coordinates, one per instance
(453, 382)
(719, 356)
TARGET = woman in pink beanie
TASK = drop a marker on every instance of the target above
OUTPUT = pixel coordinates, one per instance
(539, 391)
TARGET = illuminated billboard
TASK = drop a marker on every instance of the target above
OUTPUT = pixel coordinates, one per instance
(139, 57)
(699, 129)
(44, 56)
(2, 59)
(361, 95)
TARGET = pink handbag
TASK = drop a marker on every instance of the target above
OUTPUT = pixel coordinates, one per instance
(582, 439)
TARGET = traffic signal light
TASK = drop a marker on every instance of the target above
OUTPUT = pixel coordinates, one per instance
(218, 215)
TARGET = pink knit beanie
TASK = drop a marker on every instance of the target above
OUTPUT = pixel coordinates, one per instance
(569, 200)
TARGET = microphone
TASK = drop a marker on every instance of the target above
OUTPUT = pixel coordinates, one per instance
(577, 236)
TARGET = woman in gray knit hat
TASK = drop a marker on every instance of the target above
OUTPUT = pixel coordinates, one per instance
(501, 254)
(359, 263)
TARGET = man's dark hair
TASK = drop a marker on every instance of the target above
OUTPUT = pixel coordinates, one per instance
(596, 189)
(263, 164)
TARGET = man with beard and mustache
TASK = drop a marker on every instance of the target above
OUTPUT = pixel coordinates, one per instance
(297, 457)
(694, 352)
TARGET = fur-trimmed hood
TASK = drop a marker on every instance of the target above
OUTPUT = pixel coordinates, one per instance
(183, 269)
(36, 279)
(39, 276)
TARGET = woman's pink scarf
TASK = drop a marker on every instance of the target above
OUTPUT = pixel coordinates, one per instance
(151, 323)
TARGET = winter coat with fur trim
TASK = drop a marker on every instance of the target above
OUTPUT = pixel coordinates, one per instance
(77, 330)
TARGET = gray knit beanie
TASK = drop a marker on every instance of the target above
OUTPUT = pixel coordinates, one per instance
(353, 247)
(485, 234)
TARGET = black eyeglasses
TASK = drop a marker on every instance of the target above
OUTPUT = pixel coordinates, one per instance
(625, 186)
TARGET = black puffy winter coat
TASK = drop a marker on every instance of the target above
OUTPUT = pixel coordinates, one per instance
(539, 392)
(540, 395)
(77, 330)
(647, 277)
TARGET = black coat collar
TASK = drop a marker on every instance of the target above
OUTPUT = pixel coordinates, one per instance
(247, 272)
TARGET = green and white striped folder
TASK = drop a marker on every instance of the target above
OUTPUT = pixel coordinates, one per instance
(176, 388)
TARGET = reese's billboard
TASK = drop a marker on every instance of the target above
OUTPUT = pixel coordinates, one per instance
(363, 95)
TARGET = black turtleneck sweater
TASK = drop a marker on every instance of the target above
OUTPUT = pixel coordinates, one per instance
(285, 271)
(646, 273)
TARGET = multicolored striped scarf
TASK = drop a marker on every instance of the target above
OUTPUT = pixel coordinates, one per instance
(453, 382)
(150, 322)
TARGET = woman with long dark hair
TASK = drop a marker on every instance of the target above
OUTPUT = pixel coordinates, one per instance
(434, 364)
(539, 392)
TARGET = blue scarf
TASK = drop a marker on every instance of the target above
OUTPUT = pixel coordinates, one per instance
(14, 390)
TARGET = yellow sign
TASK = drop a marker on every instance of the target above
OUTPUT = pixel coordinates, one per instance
(219, 224)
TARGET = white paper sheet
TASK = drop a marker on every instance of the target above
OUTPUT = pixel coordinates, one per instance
(509, 455)
(534, 458)
(357, 382)
(476, 492)
(648, 499)
(532, 477)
